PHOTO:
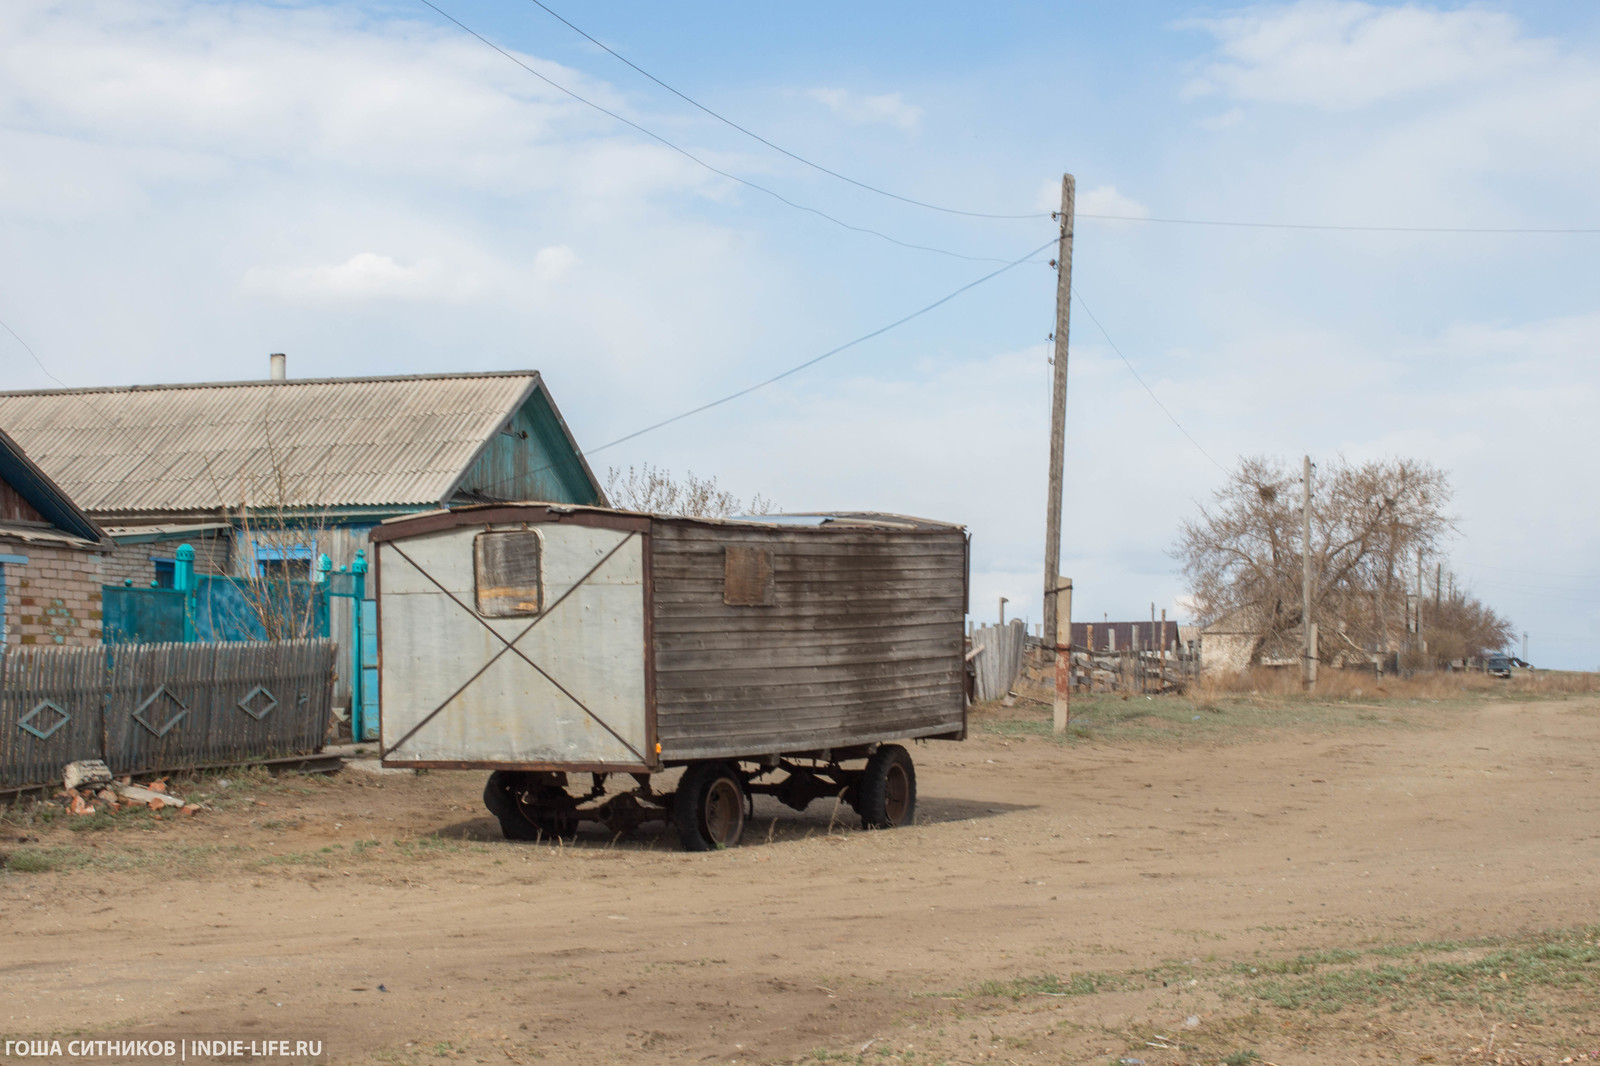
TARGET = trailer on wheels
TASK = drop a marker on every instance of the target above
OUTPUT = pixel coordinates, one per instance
(780, 655)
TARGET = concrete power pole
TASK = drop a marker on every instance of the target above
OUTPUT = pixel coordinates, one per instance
(1308, 665)
(1058, 409)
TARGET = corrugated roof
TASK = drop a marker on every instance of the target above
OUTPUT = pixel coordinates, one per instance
(298, 444)
(53, 503)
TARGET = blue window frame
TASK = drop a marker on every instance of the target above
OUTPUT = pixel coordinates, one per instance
(166, 570)
(283, 560)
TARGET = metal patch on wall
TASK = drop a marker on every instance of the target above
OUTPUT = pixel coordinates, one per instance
(507, 568)
(747, 579)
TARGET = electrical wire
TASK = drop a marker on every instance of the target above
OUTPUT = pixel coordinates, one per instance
(113, 423)
(813, 361)
(775, 147)
(832, 351)
(1141, 381)
(1332, 228)
(701, 162)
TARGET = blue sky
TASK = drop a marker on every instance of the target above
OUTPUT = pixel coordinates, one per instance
(185, 187)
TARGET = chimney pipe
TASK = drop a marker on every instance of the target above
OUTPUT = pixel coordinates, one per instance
(280, 366)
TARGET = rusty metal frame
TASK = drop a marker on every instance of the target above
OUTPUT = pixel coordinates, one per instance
(494, 514)
(550, 767)
(511, 646)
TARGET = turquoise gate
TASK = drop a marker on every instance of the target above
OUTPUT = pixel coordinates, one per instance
(212, 608)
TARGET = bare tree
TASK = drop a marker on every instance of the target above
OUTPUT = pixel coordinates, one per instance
(280, 522)
(654, 490)
(1242, 555)
(1457, 625)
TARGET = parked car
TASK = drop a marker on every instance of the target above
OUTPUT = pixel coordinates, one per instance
(1498, 665)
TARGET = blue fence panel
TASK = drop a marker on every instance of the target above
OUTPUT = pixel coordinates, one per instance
(141, 616)
(221, 610)
(225, 612)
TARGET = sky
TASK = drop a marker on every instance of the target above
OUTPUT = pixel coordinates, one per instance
(187, 186)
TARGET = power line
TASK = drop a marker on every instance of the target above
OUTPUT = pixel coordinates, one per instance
(1331, 228)
(833, 351)
(775, 147)
(686, 98)
(1141, 381)
(701, 162)
(113, 423)
(799, 366)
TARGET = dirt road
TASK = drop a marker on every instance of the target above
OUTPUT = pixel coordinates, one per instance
(1140, 899)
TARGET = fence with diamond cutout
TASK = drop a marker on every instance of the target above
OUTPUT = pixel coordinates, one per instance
(149, 707)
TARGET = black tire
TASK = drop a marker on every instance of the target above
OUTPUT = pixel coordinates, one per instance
(528, 811)
(709, 806)
(887, 793)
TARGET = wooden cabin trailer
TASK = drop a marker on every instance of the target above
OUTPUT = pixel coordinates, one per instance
(780, 655)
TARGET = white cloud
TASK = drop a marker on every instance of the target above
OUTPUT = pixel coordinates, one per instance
(315, 86)
(1106, 200)
(1342, 54)
(315, 179)
(553, 263)
(887, 108)
(364, 276)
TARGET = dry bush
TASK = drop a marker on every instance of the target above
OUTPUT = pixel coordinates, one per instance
(1426, 685)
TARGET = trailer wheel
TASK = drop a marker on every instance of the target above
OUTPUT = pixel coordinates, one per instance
(887, 793)
(536, 812)
(709, 806)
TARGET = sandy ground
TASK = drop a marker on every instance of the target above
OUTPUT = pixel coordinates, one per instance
(383, 914)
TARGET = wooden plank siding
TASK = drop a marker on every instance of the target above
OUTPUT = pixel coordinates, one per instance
(862, 641)
(14, 507)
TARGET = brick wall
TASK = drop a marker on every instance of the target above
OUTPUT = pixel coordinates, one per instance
(53, 598)
(132, 561)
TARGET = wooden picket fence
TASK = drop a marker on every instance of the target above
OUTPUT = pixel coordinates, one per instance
(160, 707)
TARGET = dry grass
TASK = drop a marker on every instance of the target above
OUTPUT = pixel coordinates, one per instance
(1433, 685)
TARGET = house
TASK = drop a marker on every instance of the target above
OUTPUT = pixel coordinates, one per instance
(51, 558)
(261, 477)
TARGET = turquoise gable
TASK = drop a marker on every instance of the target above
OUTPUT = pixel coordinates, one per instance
(534, 460)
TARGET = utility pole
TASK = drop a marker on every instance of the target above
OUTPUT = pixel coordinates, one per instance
(1058, 407)
(1422, 642)
(1308, 665)
(1003, 602)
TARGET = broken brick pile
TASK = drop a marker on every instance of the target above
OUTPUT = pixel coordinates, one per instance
(121, 795)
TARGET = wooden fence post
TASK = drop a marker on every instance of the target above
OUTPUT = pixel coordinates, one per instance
(1063, 706)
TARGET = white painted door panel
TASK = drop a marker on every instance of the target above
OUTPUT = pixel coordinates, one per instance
(496, 707)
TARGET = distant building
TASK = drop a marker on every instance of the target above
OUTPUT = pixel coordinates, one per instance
(263, 476)
(1122, 636)
(51, 558)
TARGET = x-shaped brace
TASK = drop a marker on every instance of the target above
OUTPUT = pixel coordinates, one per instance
(511, 646)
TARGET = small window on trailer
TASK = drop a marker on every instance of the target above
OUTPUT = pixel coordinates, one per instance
(509, 573)
(747, 577)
